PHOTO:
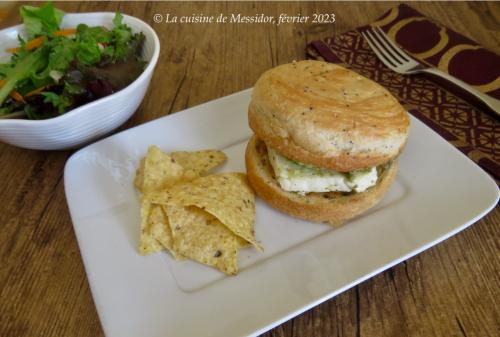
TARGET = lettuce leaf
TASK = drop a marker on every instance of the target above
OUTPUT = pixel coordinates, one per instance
(122, 34)
(4, 69)
(29, 64)
(42, 20)
(60, 102)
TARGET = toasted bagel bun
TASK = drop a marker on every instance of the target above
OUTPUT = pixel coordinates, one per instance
(332, 207)
(324, 115)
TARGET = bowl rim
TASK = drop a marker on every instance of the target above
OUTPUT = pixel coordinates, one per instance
(146, 72)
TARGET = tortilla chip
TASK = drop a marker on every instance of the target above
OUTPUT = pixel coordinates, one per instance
(160, 170)
(159, 197)
(160, 229)
(201, 237)
(139, 175)
(227, 196)
(206, 219)
(189, 175)
(242, 243)
(199, 161)
(147, 243)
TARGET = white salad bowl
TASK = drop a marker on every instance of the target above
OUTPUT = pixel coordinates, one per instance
(89, 121)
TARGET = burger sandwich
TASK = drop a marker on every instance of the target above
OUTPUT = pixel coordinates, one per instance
(326, 141)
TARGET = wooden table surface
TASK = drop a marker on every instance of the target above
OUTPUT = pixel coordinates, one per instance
(449, 290)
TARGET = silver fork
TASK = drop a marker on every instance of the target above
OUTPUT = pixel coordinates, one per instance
(397, 60)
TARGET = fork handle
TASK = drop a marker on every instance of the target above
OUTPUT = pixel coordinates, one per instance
(492, 103)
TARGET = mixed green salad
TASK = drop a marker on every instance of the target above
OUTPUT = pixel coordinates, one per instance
(55, 70)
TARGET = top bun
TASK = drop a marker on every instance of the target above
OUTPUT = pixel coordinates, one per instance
(325, 115)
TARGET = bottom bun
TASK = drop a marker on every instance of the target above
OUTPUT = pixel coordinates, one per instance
(332, 207)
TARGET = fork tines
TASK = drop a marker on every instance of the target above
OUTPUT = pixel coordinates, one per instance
(385, 49)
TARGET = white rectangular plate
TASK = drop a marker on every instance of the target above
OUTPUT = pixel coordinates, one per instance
(438, 192)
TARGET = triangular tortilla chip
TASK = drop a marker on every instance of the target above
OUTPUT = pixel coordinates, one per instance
(139, 175)
(227, 196)
(199, 161)
(200, 236)
(147, 243)
(160, 229)
(160, 171)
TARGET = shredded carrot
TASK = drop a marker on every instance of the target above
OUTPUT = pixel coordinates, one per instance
(65, 32)
(32, 44)
(37, 42)
(12, 50)
(14, 94)
(17, 96)
(36, 91)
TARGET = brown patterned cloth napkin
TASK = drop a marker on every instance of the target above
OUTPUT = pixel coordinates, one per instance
(442, 108)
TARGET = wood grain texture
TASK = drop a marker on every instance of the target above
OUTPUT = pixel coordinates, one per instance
(449, 290)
